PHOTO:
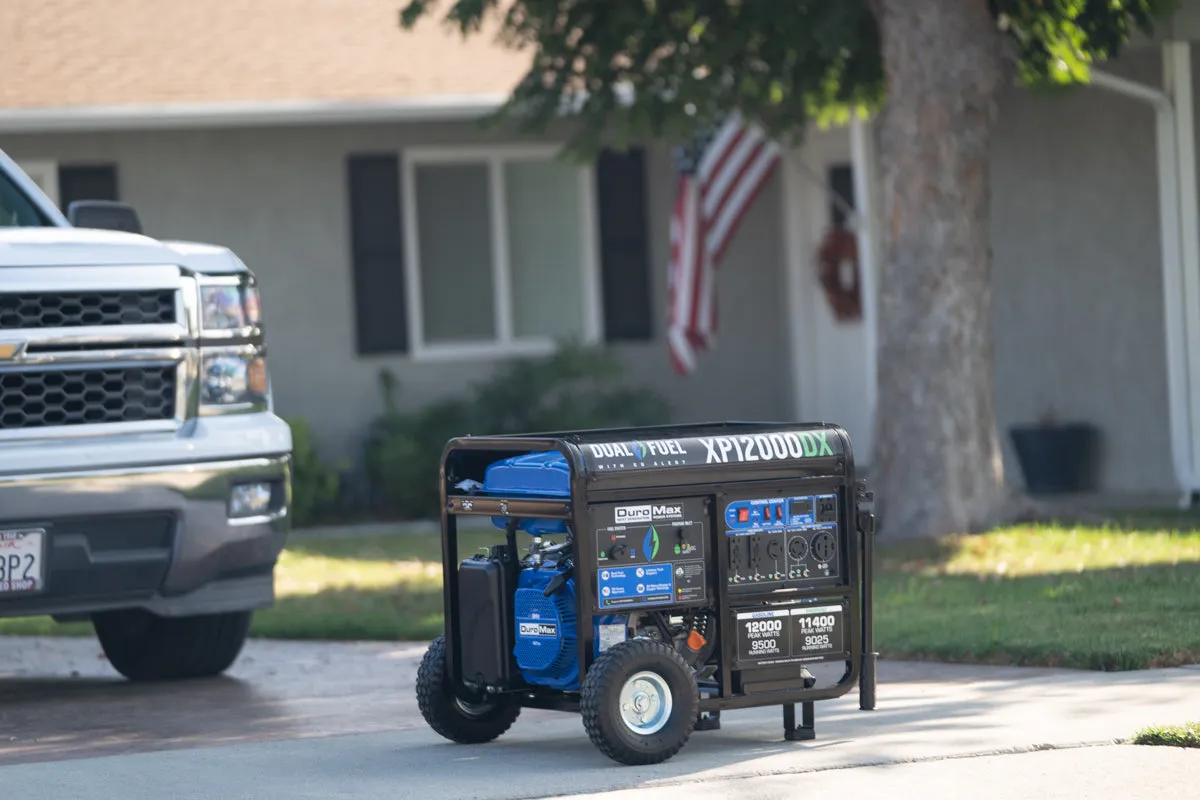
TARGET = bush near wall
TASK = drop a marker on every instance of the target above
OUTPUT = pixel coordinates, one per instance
(574, 388)
(316, 485)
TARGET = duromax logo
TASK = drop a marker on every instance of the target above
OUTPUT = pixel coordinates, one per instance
(650, 546)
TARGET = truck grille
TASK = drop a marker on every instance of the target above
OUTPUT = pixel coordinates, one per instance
(36, 310)
(86, 396)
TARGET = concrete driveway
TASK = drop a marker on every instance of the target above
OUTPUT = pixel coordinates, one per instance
(298, 720)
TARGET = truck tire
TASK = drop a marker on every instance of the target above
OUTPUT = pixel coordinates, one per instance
(146, 647)
(450, 717)
(639, 702)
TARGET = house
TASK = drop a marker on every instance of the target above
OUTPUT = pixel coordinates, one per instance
(339, 156)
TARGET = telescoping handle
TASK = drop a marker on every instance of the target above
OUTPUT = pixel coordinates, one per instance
(864, 517)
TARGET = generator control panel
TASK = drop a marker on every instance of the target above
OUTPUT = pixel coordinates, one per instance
(782, 542)
(651, 554)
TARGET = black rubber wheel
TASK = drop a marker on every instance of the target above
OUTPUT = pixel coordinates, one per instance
(447, 714)
(146, 647)
(640, 702)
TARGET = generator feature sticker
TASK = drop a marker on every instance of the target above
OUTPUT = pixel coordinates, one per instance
(623, 586)
(650, 553)
(610, 635)
(767, 637)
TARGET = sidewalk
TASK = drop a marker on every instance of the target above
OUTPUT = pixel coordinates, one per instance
(1092, 773)
(305, 720)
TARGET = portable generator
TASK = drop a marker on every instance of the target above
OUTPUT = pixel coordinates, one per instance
(649, 579)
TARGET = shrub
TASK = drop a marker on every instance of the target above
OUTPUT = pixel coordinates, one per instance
(573, 388)
(315, 485)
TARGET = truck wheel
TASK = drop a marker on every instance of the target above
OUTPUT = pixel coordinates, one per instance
(146, 647)
(450, 717)
(639, 702)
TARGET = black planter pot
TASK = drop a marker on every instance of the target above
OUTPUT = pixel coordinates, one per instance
(1056, 459)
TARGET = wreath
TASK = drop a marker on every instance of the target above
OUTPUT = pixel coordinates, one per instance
(838, 273)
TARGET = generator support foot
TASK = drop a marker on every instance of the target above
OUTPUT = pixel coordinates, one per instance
(708, 721)
(807, 730)
(866, 682)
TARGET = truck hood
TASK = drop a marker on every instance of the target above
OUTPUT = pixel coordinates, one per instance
(80, 247)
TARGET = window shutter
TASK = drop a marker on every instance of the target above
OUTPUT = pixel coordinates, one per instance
(86, 182)
(624, 245)
(841, 181)
(377, 253)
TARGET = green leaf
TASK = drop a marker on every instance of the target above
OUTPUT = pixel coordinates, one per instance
(785, 64)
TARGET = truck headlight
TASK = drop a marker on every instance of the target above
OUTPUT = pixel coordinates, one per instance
(230, 307)
(233, 379)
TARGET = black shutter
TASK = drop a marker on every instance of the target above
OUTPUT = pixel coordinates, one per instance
(624, 245)
(841, 182)
(377, 253)
(86, 182)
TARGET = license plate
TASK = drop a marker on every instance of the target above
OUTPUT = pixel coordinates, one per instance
(21, 560)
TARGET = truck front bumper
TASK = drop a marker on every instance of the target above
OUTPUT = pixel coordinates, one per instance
(160, 537)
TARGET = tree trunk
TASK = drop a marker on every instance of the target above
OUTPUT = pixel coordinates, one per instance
(939, 463)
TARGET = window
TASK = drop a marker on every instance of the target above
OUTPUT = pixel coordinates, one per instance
(501, 251)
(62, 183)
(86, 182)
(45, 175)
(16, 209)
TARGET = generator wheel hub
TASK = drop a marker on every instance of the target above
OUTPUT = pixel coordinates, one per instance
(646, 703)
(472, 709)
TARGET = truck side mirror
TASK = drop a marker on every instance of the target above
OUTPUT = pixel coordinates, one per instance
(105, 215)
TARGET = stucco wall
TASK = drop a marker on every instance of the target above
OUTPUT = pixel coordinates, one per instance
(278, 198)
(1078, 289)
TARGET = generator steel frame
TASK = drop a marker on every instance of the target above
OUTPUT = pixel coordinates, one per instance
(855, 514)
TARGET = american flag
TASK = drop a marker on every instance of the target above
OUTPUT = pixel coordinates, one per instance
(719, 176)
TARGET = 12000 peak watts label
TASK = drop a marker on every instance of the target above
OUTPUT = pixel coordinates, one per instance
(767, 637)
(698, 451)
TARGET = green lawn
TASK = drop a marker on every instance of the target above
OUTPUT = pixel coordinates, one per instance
(1185, 735)
(1122, 597)
(1117, 598)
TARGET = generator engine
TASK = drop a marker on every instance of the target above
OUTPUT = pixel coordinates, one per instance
(518, 600)
(546, 635)
(523, 604)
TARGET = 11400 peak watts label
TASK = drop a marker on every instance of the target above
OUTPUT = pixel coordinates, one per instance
(704, 450)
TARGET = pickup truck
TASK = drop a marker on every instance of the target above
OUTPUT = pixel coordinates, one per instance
(145, 480)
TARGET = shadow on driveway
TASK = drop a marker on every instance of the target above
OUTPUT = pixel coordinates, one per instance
(60, 699)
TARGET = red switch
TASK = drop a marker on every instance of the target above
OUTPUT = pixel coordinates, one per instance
(743, 514)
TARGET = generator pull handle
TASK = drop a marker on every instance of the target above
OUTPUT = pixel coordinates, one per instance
(864, 519)
(556, 583)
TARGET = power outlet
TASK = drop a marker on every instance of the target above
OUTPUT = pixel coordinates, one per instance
(758, 554)
(774, 550)
(766, 556)
(739, 562)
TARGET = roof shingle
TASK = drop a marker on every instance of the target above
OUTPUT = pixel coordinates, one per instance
(72, 53)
